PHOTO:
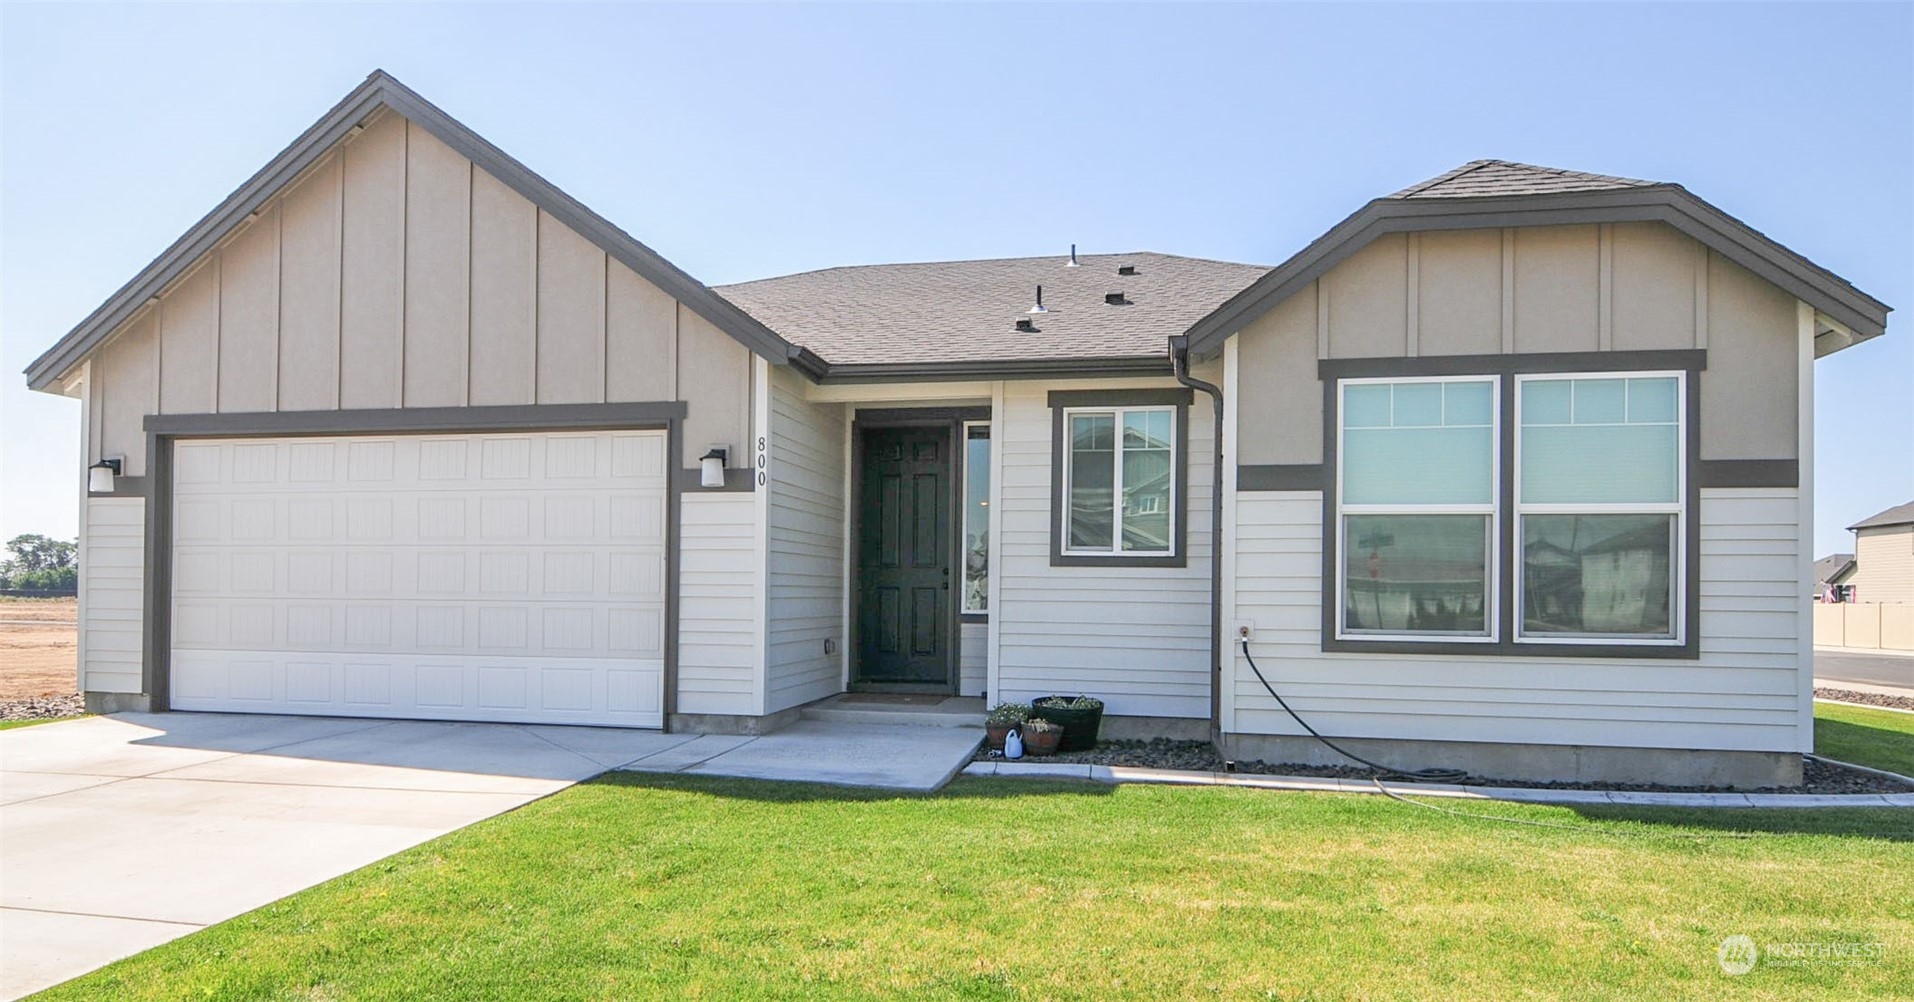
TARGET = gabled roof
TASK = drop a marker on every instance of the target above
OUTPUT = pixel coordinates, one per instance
(955, 318)
(1829, 569)
(1498, 193)
(381, 90)
(1900, 514)
(1484, 178)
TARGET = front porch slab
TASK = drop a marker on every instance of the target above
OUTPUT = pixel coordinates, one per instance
(893, 756)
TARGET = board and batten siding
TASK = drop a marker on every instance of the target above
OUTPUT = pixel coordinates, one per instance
(112, 579)
(1742, 694)
(396, 273)
(1138, 638)
(1612, 287)
(720, 648)
(805, 546)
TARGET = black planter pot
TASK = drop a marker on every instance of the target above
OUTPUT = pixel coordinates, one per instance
(1079, 726)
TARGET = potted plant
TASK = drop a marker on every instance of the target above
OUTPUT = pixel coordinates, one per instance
(1004, 718)
(1041, 737)
(1080, 716)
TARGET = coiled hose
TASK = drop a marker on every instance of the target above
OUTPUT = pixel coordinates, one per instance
(1417, 776)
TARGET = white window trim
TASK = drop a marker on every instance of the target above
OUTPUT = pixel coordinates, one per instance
(1492, 605)
(1678, 551)
(1116, 550)
(963, 605)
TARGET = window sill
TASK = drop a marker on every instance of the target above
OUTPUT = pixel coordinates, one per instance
(1117, 560)
(1509, 650)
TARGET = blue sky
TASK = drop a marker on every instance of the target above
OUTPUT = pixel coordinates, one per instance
(749, 141)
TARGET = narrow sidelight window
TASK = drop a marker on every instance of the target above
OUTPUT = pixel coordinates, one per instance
(977, 517)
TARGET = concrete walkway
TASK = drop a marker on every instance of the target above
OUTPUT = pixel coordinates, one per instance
(124, 832)
(895, 756)
(1329, 784)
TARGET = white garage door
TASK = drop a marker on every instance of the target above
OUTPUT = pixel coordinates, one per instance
(507, 577)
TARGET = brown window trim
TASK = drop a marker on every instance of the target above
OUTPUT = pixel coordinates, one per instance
(1178, 397)
(1506, 368)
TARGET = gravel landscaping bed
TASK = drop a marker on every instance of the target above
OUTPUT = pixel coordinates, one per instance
(1869, 698)
(43, 708)
(1200, 756)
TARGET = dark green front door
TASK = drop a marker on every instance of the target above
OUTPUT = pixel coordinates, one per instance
(904, 554)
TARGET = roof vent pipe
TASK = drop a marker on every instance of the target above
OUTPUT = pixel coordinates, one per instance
(1039, 307)
(1073, 257)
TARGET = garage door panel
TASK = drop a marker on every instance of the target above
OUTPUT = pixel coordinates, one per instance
(370, 576)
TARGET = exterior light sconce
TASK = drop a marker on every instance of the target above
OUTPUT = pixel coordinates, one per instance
(100, 476)
(711, 466)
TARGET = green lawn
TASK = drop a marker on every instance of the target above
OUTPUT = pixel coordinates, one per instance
(7, 725)
(1865, 736)
(636, 886)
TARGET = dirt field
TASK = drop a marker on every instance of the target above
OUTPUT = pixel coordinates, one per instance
(39, 642)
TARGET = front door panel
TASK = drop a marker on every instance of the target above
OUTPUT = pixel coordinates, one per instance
(904, 557)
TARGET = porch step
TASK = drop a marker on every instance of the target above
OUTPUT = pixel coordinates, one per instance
(953, 711)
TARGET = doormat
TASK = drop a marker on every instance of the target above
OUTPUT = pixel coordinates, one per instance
(895, 698)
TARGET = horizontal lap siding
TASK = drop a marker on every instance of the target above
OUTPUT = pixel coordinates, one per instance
(1138, 638)
(718, 604)
(805, 576)
(1741, 694)
(112, 570)
(973, 659)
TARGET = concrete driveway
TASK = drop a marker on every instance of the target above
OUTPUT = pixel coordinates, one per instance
(123, 832)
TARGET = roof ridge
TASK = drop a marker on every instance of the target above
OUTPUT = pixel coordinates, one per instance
(1445, 177)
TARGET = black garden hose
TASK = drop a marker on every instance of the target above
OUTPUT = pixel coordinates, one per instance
(1417, 776)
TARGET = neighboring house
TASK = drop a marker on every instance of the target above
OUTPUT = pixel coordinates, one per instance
(1507, 471)
(1883, 571)
(1831, 572)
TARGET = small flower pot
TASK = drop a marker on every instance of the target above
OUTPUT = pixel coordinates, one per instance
(1080, 727)
(1041, 743)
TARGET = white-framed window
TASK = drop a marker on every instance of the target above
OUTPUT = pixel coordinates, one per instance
(1601, 463)
(1119, 481)
(976, 517)
(1418, 477)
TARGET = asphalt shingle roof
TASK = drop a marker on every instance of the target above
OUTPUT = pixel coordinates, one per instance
(966, 311)
(1832, 566)
(1485, 178)
(1900, 514)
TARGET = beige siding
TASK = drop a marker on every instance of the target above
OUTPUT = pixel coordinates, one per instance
(1884, 565)
(504, 356)
(804, 547)
(438, 256)
(309, 241)
(1136, 637)
(112, 564)
(395, 273)
(249, 317)
(189, 346)
(126, 389)
(571, 316)
(1740, 695)
(1622, 287)
(372, 292)
(719, 608)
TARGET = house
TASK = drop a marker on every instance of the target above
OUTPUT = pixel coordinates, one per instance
(1883, 568)
(1832, 572)
(1508, 471)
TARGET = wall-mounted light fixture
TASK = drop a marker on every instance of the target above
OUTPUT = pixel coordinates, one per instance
(711, 466)
(99, 476)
